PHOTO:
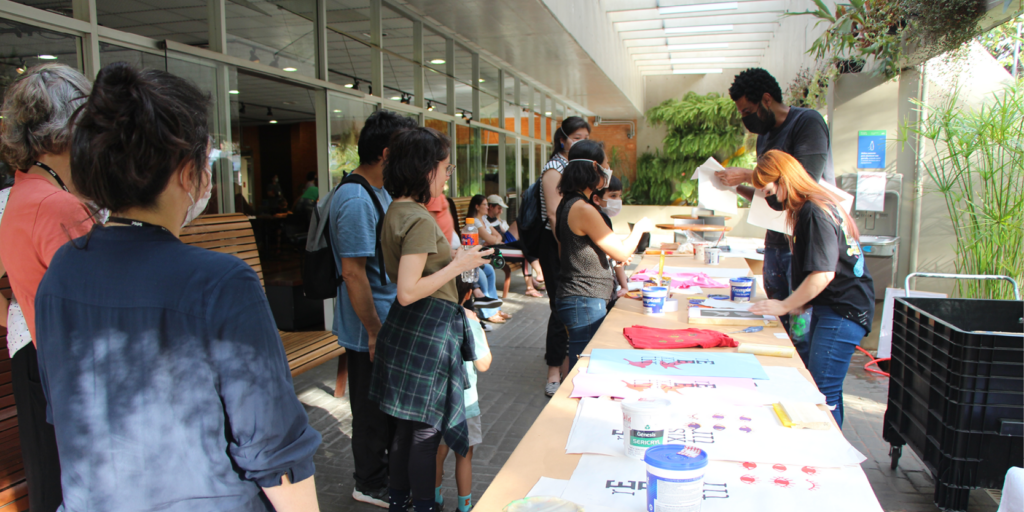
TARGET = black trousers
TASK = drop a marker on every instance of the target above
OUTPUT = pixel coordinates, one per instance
(371, 429)
(38, 439)
(414, 458)
(557, 335)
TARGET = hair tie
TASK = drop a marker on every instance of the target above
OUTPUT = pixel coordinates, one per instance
(581, 160)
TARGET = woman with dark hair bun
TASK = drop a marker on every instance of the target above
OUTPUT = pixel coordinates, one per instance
(166, 377)
(587, 241)
(572, 130)
(418, 370)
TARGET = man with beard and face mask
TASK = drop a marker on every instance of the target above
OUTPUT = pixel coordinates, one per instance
(800, 132)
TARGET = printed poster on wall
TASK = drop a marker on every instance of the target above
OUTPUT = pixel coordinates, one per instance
(871, 149)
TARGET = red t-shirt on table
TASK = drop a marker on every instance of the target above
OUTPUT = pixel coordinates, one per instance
(39, 219)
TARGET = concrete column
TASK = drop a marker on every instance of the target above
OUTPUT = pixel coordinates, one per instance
(85, 10)
(910, 86)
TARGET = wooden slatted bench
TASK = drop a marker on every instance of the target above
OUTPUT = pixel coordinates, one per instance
(13, 489)
(231, 233)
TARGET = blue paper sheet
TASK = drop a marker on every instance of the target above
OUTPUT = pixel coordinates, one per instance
(693, 364)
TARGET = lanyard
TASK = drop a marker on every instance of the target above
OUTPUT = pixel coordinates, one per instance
(133, 223)
(53, 173)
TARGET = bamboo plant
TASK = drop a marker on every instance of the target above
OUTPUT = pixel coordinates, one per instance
(978, 165)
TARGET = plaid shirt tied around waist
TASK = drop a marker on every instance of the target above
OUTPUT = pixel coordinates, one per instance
(418, 371)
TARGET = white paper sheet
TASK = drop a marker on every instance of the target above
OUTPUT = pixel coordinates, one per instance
(727, 433)
(885, 330)
(548, 487)
(785, 383)
(845, 199)
(782, 336)
(605, 484)
(871, 191)
(711, 193)
(727, 304)
(693, 290)
(711, 272)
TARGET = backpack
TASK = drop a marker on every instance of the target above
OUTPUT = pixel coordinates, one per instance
(531, 227)
(320, 275)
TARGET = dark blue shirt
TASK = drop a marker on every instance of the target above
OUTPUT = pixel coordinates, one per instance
(165, 377)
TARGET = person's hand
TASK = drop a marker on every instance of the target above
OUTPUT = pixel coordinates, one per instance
(733, 176)
(622, 291)
(471, 258)
(470, 314)
(372, 344)
(769, 307)
(644, 225)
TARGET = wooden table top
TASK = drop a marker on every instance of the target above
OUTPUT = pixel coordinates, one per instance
(541, 452)
(694, 217)
(693, 227)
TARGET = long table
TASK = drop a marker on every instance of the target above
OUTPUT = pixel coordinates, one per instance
(541, 452)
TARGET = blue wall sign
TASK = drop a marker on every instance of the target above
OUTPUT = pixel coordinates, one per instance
(871, 149)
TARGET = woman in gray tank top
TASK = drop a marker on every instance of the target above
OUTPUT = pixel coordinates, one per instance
(586, 242)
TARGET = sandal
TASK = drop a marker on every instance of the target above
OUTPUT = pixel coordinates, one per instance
(533, 293)
(505, 315)
(496, 319)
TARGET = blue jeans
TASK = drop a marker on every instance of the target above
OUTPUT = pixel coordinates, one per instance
(488, 285)
(582, 317)
(777, 276)
(827, 355)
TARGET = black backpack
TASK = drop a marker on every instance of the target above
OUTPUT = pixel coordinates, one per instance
(320, 275)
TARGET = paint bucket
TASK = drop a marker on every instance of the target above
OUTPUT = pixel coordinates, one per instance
(712, 255)
(698, 250)
(740, 289)
(644, 424)
(675, 477)
(654, 300)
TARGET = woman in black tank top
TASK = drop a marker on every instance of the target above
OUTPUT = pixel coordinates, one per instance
(586, 241)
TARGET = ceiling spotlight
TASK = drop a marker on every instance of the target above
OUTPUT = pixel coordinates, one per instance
(253, 57)
(348, 86)
(396, 98)
(356, 86)
(430, 105)
(270, 113)
(458, 114)
(273, 121)
(547, 113)
(437, 61)
(336, 111)
(289, 69)
(47, 57)
(233, 91)
(481, 80)
(274, 62)
(241, 107)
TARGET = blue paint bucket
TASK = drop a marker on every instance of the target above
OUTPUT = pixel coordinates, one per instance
(675, 477)
(741, 288)
(654, 300)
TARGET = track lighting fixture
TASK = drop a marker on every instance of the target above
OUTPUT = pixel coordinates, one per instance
(241, 107)
(253, 57)
(270, 113)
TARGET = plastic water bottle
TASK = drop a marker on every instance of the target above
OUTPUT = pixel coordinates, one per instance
(800, 326)
(470, 238)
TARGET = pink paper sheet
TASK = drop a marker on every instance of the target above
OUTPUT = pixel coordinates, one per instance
(637, 386)
(681, 279)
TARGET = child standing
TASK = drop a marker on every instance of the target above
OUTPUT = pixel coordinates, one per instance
(610, 201)
(464, 465)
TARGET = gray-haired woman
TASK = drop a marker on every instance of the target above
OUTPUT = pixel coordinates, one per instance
(42, 214)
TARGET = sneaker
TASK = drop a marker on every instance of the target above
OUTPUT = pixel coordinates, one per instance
(379, 497)
(486, 302)
(550, 388)
(438, 507)
(487, 327)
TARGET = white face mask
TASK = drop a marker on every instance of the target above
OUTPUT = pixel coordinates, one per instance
(197, 207)
(613, 207)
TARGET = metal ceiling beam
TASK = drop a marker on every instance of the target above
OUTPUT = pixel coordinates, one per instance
(755, 28)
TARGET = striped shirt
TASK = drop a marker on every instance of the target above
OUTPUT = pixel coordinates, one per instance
(558, 163)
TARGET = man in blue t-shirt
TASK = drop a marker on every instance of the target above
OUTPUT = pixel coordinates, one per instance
(800, 132)
(363, 301)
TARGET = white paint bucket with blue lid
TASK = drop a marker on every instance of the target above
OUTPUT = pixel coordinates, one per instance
(645, 421)
(654, 300)
(741, 289)
(675, 478)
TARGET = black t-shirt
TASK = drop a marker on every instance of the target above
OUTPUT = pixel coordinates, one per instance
(803, 135)
(820, 244)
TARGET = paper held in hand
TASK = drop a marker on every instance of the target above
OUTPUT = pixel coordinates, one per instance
(711, 193)
(763, 216)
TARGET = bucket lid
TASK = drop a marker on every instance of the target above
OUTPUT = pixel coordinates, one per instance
(656, 289)
(741, 280)
(676, 457)
(646, 404)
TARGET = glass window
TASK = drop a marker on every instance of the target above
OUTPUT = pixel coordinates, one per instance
(488, 81)
(184, 21)
(463, 65)
(110, 54)
(277, 33)
(398, 78)
(24, 46)
(348, 61)
(489, 155)
(435, 89)
(434, 51)
(488, 109)
(470, 167)
(511, 152)
(524, 163)
(63, 7)
(347, 119)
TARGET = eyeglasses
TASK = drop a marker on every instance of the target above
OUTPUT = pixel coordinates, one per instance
(449, 171)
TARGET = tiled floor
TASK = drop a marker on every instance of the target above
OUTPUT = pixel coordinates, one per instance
(511, 398)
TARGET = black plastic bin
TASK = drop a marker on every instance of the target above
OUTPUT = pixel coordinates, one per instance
(956, 391)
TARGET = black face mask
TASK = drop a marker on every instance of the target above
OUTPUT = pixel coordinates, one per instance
(774, 203)
(759, 124)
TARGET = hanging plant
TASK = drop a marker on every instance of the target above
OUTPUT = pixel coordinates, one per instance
(810, 88)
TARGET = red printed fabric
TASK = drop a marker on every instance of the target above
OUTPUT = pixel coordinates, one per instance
(640, 336)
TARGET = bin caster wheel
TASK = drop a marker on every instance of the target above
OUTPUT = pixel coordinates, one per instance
(894, 456)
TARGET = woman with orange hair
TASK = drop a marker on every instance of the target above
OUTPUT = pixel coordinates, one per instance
(828, 269)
